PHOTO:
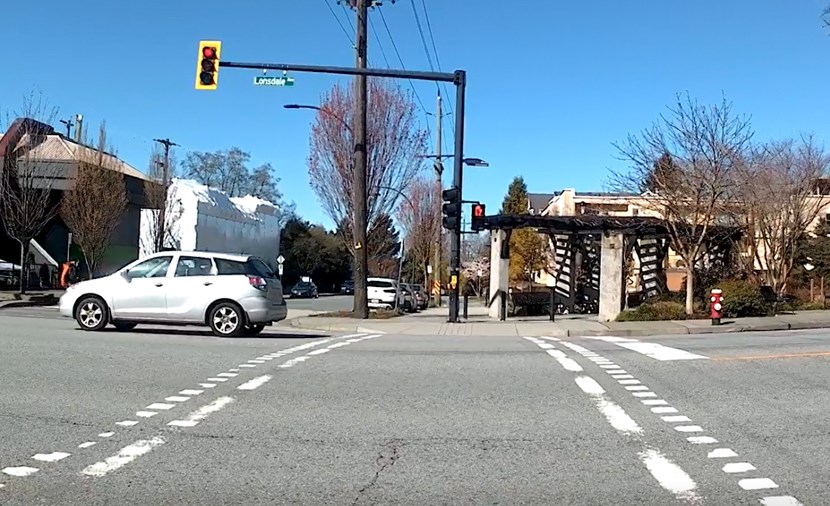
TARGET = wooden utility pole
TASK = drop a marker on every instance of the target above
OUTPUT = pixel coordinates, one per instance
(165, 181)
(361, 257)
(79, 128)
(439, 187)
(68, 123)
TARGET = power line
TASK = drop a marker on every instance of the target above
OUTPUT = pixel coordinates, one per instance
(395, 47)
(337, 18)
(435, 50)
(382, 51)
(421, 33)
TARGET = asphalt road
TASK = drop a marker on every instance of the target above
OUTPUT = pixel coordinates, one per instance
(384, 419)
(323, 304)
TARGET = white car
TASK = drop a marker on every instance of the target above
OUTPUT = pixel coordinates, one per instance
(232, 294)
(381, 293)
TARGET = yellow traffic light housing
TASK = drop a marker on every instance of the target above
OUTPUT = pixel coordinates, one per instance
(207, 64)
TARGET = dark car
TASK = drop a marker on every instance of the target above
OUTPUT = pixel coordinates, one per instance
(304, 289)
(347, 288)
(421, 295)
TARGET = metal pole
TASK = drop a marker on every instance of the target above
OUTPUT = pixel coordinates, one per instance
(466, 303)
(439, 172)
(552, 304)
(458, 176)
(165, 181)
(444, 77)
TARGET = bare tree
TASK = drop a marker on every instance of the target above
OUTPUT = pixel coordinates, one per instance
(95, 205)
(776, 203)
(395, 143)
(685, 162)
(420, 220)
(26, 182)
(159, 197)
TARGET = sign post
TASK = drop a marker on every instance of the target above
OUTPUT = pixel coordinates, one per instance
(280, 261)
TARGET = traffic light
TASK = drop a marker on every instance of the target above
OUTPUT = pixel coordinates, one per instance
(207, 64)
(452, 209)
(478, 214)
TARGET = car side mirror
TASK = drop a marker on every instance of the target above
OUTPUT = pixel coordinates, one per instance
(126, 274)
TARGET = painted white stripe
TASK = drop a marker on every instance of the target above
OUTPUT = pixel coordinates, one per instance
(738, 467)
(51, 457)
(87, 444)
(160, 406)
(176, 398)
(568, 364)
(247, 366)
(266, 359)
(644, 394)
(191, 392)
(652, 350)
(615, 415)
(701, 440)
(589, 385)
(19, 471)
(688, 428)
(337, 345)
(1, 485)
(610, 366)
(654, 402)
(106, 434)
(780, 500)
(621, 376)
(636, 388)
(545, 346)
(207, 385)
(549, 338)
(756, 483)
(664, 409)
(722, 453)
(577, 348)
(124, 457)
(233, 370)
(351, 341)
(676, 418)
(669, 475)
(255, 361)
(202, 413)
(254, 383)
(127, 423)
(145, 414)
(353, 335)
(319, 352)
(228, 375)
(628, 382)
(218, 380)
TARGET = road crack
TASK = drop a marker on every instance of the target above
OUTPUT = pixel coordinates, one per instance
(388, 455)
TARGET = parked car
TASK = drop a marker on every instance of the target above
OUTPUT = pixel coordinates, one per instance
(421, 296)
(381, 292)
(409, 302)
(305, 290)
(347, 288)
(234, 295)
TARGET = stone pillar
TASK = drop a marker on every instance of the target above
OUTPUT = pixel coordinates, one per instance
(499, 269)
(611, 282)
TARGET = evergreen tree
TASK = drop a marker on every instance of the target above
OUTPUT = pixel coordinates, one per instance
(528, 248)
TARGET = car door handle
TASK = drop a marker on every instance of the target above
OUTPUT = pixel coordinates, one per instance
(208, 283)
(159, 284)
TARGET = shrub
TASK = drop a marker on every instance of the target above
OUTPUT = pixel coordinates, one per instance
(655, 311)
(741, 298)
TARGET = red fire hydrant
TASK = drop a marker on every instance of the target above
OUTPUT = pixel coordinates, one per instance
(716, 306)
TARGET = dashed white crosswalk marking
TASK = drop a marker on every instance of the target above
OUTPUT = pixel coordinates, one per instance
(653, 350)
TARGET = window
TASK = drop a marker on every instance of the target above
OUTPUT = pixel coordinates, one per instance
(379, 284)
(257, 267)
(194, 266)
(229, 267)
(152, 268)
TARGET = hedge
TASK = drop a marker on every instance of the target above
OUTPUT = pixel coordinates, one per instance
(741, 298)
(656, 311)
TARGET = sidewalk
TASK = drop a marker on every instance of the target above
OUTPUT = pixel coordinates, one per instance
(433, 321)
(32, 298)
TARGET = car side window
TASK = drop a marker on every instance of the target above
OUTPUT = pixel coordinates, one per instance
(152, 268)
(194, 266)
(230, 267)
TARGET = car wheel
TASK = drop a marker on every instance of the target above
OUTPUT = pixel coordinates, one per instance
(254, 329)
(92, 314)
(124, 326)
(226, 320)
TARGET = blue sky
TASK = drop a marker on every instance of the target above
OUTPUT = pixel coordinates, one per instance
(551, 84)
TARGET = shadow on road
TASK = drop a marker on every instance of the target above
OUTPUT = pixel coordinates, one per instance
(206, 333)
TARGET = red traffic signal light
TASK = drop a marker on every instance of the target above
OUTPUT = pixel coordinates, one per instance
(478, 214)
(209, 52)
(478, 211)
(207, 65)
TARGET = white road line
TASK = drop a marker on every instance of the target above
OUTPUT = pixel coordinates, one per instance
(353, 335)
(87, 444)
(664, 409)
(228, 375)
(145, 414)
(233, 370)
(701, 440)
(106, 434)
(615, 415)
(589, 385)
(608, 366)
(621, 376)
(160, 406)
(688, 428)
(738, 467)
(191, 392)
(176, 398)
(127, 423)
(628, 382)
(207, 385)
(549, 338)
(721, 453)
(644, 394)
(51, 457)
(636, 388)
(200, 414)
(1, 485)
(337, 345)
(218, 380)
(669, 475)
(351, 341)
(652, 350)
(19, 471)
(254, 383)
(545, 346)
(756, 483)
(319, 352)
(568, 363)
(247, 366)
(124, 457)
(577, 348)
(654, 402)
(255, 361)
(780, 500)
(676, 418)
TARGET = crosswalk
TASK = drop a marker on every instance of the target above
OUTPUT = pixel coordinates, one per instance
(655, 351)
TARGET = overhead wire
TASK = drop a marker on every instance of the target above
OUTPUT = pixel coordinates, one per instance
(435, 50)
(337, 18)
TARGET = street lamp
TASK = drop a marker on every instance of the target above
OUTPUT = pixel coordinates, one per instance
(470, 162)
(321, 110)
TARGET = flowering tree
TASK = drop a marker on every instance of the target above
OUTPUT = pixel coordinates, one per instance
(420, 218)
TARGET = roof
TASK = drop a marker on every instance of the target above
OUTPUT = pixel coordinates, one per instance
(203, 254)
(57, 148)
(539, 201)
(607, 194)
